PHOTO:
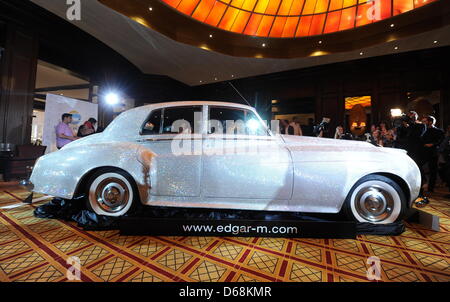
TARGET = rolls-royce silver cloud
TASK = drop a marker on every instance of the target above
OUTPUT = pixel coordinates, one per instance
(223, 155)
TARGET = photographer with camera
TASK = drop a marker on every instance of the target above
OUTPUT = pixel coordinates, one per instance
(401, 127)
(322, 129)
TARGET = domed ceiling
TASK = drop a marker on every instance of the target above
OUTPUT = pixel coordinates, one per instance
(166, 42)
(284, 28)
(291, 18)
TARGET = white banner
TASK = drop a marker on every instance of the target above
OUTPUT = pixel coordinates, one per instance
(55, 107)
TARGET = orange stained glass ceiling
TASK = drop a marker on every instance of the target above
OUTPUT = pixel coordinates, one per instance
(291, 18)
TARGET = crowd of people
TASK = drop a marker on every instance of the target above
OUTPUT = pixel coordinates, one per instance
(65, 135)
(295, 128)
(425, 143)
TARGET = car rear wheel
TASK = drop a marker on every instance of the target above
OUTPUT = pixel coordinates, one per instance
(111, 192)
(376, 199)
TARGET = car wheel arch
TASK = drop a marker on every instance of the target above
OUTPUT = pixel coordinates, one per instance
(397, 179)
(81, 186)
(400, 181)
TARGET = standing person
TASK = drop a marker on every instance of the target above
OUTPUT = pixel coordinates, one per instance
(64, 133)
(402, 134)
(377, 139)
(296, 125)
(414, 134)
(339, 132)
(431, 140)
(373, 128)
(308, 130)
(284, 125)
(389, 139)
(87, 128)
(383, 128)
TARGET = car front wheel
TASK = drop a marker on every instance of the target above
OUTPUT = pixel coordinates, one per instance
(376, 199)
(111, 192)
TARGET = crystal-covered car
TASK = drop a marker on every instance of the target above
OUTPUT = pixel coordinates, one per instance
(222, 155)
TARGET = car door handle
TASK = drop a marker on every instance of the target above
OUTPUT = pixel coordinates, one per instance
(143, 140)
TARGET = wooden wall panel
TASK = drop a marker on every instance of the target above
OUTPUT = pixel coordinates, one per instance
(17, 85)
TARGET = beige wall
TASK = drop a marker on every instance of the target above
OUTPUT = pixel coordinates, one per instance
(303, 118)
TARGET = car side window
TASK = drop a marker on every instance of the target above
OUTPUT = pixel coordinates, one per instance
(182, 119)
(153, 124)
(224, 120)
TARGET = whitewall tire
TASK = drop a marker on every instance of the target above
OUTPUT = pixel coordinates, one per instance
(376, 199)
(111, 193)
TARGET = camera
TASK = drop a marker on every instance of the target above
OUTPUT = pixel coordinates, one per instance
(322, 127)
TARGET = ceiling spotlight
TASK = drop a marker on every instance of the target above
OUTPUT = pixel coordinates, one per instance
(396, 47)
(210, 36)
(112, 98)
(320, 42)
(392, 25)
(232, 75)
(150, 8)
(201, 81)
(361, 53)
(263, 45)
(215, 79)
(435, 41)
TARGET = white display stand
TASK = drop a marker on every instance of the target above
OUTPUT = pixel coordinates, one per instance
(55, 107)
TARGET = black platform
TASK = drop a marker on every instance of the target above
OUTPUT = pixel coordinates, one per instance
(160, 221)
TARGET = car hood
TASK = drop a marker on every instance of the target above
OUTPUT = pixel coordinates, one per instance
(307, 143)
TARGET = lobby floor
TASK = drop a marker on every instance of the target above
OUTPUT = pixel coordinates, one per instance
(33, 249)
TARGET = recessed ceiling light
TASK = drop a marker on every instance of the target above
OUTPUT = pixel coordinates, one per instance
(361, 53)
(150, 8)
(215, 79)
(392, 25)
(396, 47)
(210, 36)
(320, 42)
(263, 45)
(201, 81)
(435, 41)
(232, 75)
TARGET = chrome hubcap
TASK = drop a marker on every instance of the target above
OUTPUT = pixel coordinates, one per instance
(374, 203)
(112, 195)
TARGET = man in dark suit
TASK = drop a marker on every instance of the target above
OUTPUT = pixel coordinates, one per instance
(431, 140)
(414, 131)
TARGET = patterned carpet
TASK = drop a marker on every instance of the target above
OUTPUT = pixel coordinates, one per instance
(33, 249)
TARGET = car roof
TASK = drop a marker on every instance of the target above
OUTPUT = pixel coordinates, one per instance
(130, 121)
(193, 103)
